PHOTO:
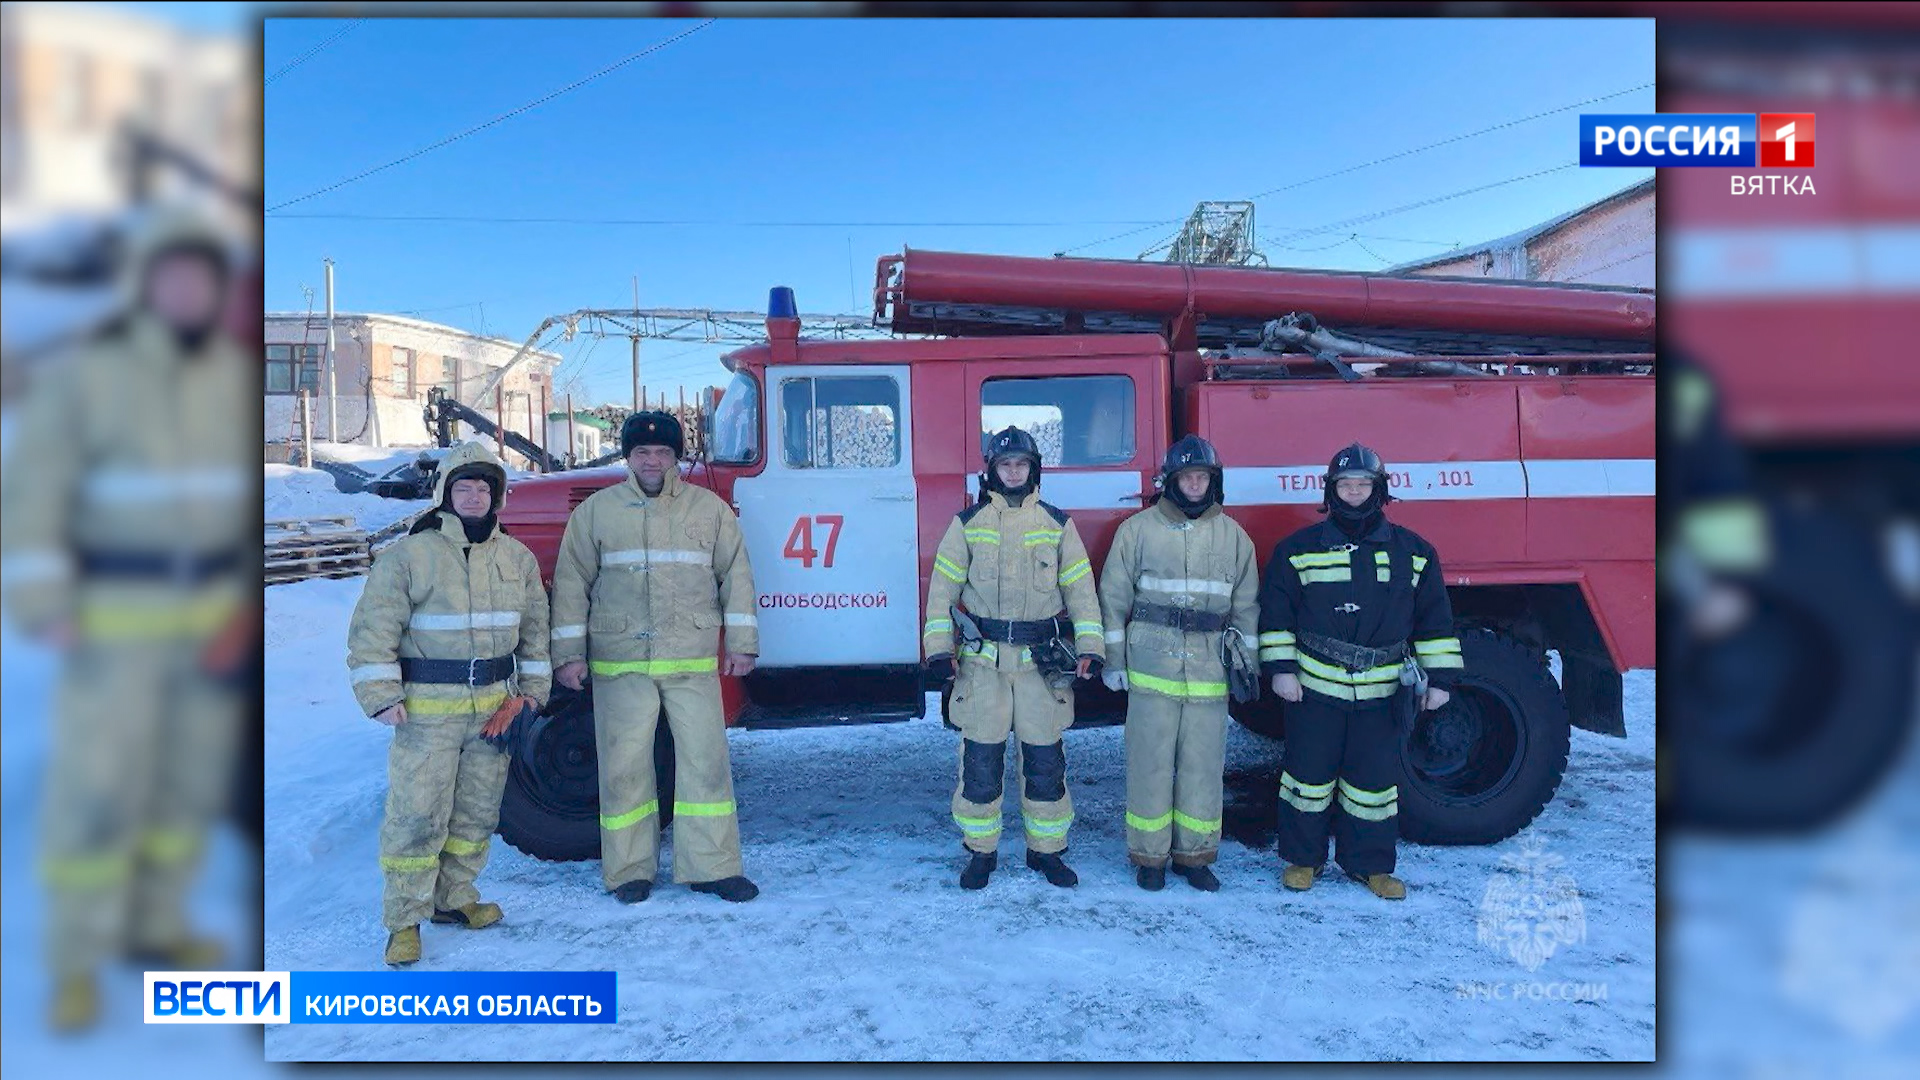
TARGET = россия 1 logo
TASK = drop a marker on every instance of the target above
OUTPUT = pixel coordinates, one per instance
(1714, 140)
(1665, 140)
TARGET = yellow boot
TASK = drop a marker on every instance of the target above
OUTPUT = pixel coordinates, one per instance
(1299, 878)
(76, 1003)
(403, 947)
(475, 916)
(1387, 887)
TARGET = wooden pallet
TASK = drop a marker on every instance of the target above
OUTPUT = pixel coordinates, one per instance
(327, 547)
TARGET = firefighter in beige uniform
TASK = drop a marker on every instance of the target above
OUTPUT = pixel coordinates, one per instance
(447, 643)
(1181, 584)
(1017, 568)
(128, 543)
(650, 572)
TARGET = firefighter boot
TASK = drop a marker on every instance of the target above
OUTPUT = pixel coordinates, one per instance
(76, 1003)
(475, 916)
(1200, 877)
(1050, 864)
(634, 891)
(734, 890)
(403, 947)
(1152, 878)
(1384, 886)
(1299, 878)
(979, 869)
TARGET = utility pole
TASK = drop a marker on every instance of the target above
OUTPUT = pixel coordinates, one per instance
(636, 346)
(333, 381)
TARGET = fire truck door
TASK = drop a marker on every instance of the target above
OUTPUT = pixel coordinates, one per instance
(830, 522)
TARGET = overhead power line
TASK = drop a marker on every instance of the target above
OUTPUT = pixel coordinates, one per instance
(503, 117)
(313, 52)
(1389, 157)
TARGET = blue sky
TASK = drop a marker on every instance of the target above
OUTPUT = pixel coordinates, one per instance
(1018, 137)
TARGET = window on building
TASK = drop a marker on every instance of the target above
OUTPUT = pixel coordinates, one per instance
(1076, 419)
(449, 375)
(400, 372)
(286, 376)
(841, 422)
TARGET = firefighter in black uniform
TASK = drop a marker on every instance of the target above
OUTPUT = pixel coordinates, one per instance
(1352, 610)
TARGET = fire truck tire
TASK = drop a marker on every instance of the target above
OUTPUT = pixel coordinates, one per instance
(1481, 768)
(551, 807)
(1798, 716)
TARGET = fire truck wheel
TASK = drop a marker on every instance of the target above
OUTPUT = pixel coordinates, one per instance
(1481, 768)
(551, 808)
(1798, 715)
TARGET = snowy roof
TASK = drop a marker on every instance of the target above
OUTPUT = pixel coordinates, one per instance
(302, 318)
(588, 419)
(1526, 235)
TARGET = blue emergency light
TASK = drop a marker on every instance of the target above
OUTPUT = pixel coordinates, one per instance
(781, 305)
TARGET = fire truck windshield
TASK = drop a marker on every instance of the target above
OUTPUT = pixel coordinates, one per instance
(736, 422)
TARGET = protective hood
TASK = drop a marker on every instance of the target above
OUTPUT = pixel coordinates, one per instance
(160, 231)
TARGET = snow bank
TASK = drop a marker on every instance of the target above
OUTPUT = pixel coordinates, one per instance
(293, 492)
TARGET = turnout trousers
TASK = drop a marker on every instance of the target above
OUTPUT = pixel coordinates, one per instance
(1342, 771)
(443, 801)
(141, 764)
(1176, 757)
(995, 694)
(706, 826)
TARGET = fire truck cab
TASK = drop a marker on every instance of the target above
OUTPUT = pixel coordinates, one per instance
(1517, 422)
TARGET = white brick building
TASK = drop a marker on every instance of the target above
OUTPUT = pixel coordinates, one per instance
(384, 366)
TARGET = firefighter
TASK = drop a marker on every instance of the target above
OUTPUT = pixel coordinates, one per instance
(129, 547)
(1014, 583)
(447, 643)
(1180, 588)
(650, 572)
(1351, 609)
(1714, 533)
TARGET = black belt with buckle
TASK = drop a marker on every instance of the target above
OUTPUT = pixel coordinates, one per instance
(457, 672)
(1180, 618)
(166, 566)
(1024, 631)
(1350, 656)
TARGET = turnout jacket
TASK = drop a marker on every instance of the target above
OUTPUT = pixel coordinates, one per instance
(1009, 562)
(645, 585)
(1380, 590)
(128, 451)
(1204, 565)
(435, 595)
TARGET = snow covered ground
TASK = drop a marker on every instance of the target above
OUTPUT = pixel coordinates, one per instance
(1782, 958)
(862, 946)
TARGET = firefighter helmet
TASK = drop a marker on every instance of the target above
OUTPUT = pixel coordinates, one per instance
(1191, 452)
(1011, 442)
(1356, 460)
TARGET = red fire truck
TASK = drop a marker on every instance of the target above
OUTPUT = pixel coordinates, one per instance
(1517, 420)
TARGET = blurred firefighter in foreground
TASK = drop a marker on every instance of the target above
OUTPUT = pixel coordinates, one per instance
(1352, 609)
(1180, 597)
(1013, 582)
(130, 543)
(1713, 530)
(650, 571)
(447, 645)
